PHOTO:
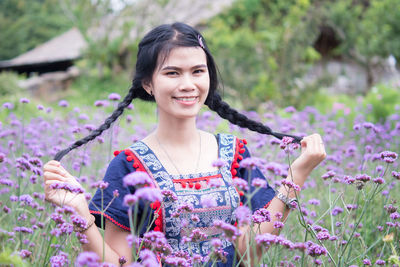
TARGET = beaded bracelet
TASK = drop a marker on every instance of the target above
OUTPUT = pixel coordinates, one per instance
(88, 225)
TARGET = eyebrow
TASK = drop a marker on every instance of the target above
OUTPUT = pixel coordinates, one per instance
(177, 68)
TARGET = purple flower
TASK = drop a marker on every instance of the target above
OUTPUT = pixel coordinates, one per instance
(379, 180)
(208, 201)
(148, 258)
(156, 241)
(363, 178)
(348, 179)
(259, 183)
(278, 224)
(219, 163)
(177, 261)
(197, 235)
(261, 215)
(250, 163)
(78, 221)
(216, 243)
(230, 231)
(314, 202)
(130, 200)
(23, 229)
(396, 175)
(290, 184)
(63, 103)
(290, 109)
(87, 258)
(194, 218)
(169, 194)
(59, 260)
(149, 194)
(390, 208)
(25, 253)
(137, 179)
(323, 235)
(336, 210)
(241, 183)
(394, 215)
(8, 105)
(215, 183)
(328, 175)
(368, 125)
(185, 207)
(101, 103)
(388, 156)
(266, 240)
(315, 250)
(69, 187)
(114, 97)
(24, 100)
(367, 262)
(351, 206)
(380, 262)
(243, 215)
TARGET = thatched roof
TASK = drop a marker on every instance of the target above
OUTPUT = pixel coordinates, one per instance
(65, 47)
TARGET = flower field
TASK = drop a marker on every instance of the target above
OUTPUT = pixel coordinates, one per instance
(348, 212)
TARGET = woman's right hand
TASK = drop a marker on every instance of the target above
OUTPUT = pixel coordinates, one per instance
(54, 173)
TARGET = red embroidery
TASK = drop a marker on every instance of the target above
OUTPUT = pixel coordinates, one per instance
(130, 156)
(239, 149)
(267, 205)
(197, 186)
(111, 219)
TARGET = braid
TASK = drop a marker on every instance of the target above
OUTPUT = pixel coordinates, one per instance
(216, 104)
(107, 123)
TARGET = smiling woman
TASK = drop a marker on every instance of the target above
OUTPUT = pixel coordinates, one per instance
(195, 180)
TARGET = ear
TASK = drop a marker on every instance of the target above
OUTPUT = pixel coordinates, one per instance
(147, 86)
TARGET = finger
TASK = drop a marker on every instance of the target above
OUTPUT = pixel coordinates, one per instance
(54, 169)
(53, 176)
(53, 163)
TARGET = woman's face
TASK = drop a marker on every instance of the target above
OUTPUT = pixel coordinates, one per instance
(180, 83)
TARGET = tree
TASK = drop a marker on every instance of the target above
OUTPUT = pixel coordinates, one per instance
(25, 24)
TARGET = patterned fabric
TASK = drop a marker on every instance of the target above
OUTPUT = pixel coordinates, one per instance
(226, 197)
(190, 189)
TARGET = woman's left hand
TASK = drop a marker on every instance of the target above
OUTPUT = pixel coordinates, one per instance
(312, 154)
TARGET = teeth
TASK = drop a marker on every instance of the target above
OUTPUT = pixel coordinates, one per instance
(186, 98)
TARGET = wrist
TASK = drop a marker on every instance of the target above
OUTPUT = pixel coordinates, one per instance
(298, 175)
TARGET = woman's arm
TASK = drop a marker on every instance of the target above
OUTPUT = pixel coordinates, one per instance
(115, 244)
(312, 154)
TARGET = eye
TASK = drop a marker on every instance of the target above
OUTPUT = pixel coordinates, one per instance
(169, 73)
(172, 73)
(197, 71)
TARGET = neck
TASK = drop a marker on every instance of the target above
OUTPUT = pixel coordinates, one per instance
(179, 133)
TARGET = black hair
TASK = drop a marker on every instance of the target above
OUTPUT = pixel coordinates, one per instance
(156, 46)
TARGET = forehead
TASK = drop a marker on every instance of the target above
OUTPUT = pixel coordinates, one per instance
(184, 57)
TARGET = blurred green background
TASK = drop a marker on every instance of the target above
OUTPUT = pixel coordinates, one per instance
(328, 54)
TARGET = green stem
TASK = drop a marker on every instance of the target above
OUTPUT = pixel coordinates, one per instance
(359, 220)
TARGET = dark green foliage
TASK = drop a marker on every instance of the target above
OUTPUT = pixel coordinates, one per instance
(264, 47)
(25, 24)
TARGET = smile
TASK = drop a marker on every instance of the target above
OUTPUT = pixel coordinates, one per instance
(188, 99)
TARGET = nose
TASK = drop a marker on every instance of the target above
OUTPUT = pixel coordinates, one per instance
(187, 83)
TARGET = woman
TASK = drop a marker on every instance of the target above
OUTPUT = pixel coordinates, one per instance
(176, 70)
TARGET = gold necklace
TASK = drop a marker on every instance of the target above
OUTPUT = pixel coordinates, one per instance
(172, 162)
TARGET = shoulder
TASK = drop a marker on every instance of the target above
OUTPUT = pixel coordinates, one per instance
(124, 161)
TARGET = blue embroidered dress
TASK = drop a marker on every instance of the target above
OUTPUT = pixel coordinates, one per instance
(190, 189)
